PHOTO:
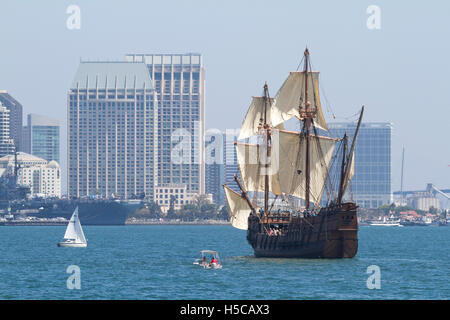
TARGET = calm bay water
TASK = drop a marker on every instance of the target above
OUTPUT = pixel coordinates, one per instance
(155, 262)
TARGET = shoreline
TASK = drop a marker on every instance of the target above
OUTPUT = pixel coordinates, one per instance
(127, 223)
(34, 223)
(175, 222)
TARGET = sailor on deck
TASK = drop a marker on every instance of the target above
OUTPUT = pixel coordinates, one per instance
(261, 212)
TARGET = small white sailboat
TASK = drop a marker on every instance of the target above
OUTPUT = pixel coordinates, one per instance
(74, 236)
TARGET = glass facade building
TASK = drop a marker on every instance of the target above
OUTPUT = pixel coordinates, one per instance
(179, 82)
(221, 163)
(41, 137)
(231, 166)
(112, 131)
(214, 165)
(371, 183)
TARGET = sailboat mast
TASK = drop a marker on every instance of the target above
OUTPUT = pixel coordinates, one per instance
(307, 126)
(266, 127)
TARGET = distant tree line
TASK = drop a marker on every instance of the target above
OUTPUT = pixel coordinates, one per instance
(199, 209)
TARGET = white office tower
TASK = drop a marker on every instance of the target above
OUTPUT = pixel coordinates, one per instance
(6, 143)
(179, 81)
(112, 131)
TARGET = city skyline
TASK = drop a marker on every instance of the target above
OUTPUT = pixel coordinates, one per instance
(377, 69)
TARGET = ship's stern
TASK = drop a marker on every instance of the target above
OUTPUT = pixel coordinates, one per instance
(342, 241)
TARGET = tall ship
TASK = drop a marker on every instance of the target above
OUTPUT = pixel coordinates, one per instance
(284, 174)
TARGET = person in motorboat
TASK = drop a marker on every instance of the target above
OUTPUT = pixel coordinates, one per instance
(204, 262)
(213, 261)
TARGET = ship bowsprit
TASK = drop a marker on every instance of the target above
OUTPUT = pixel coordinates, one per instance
(332, 233)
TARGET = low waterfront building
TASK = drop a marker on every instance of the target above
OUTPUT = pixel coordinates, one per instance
(179, 194)
(42, 176)
(164, 194)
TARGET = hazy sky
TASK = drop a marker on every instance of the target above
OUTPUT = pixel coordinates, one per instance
(399, 72)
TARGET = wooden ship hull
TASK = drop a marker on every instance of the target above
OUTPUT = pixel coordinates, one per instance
(332, 233)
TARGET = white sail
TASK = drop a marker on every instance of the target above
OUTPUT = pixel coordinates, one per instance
(79, 230)
(292, 164)
(254, 119)
(252, 165)
(285, 105)
(71, 232)
(287, 164)
(351, 173)
(238, 209)
(74, 230)
(292, 94)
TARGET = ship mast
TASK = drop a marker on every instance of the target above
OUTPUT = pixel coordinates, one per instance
(349, 160)
(267, 131)
(307, 115)
(342, 181)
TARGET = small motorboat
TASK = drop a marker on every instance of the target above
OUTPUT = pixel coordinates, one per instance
(209, 260)
(390, 222)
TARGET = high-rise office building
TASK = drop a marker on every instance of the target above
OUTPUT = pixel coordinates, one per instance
(15, 116)
(6, 143)
(231, 167)
(214, 179)
(112, 131)
(214, 165)
(371, 183)
(179, 80)
(41, 137)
